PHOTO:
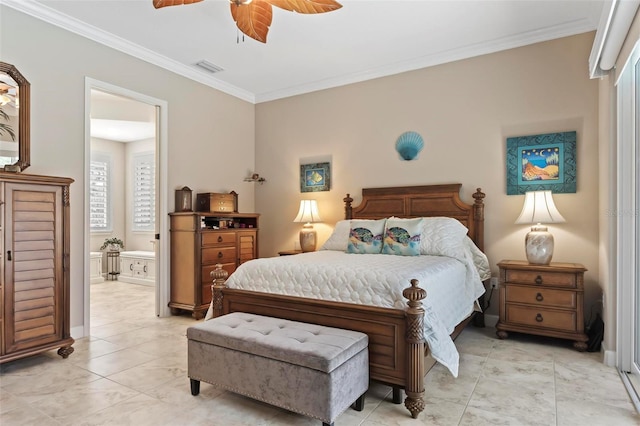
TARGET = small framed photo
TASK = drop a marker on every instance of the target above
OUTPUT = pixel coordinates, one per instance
(315, 177)
(542, 162)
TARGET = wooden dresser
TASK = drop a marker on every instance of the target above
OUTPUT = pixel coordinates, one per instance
(199, 241)
(34, 283)
(546, 300)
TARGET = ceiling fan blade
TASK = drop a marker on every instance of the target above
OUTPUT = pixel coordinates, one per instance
(253, 19)
(307, 6)
(164, 3)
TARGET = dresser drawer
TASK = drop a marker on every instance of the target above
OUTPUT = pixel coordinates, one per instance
(218, 238)
(542, 278)
(540, 296)
(219, 255)
(558, 320)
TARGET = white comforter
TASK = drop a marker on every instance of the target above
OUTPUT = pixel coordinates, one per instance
(452, 286)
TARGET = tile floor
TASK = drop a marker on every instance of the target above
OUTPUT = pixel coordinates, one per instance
(133, 371)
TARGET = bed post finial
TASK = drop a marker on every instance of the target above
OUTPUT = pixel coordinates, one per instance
(416, 349)
(219, 276)
(347, 206)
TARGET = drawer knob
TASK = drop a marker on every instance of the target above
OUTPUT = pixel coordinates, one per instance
(539, 318)
(539, 297)
(539, 279)
(220, 238)
(145, 269)
(220, 255)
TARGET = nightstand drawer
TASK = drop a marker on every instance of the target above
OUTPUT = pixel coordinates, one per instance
(542, 278)
(559, 320)
(540, 296)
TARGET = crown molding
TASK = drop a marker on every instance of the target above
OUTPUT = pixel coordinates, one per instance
(44, 13)
(51, 16)
(550, 33)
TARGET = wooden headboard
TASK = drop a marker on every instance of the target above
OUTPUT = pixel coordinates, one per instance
(421, 201)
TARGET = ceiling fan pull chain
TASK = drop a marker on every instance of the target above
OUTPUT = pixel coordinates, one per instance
(238, 36)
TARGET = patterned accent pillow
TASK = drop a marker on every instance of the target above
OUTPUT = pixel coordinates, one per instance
(365, 236)
(402, 236)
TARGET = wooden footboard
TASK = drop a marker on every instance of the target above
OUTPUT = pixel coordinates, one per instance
(397, 348)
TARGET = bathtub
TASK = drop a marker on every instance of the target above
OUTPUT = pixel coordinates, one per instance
(138, 267)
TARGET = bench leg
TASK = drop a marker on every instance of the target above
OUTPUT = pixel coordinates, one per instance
(397, 395)
(359, 404)
(195, 387)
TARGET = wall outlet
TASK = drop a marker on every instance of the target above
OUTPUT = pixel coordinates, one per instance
(493, 282)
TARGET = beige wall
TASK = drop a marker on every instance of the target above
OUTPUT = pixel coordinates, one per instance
(465, 111)
(211, 134)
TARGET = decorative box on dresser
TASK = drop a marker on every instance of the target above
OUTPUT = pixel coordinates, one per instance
(199, 241)
(546, 300)
(34, 281)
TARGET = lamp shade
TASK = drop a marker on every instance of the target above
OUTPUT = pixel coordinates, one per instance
(308, 212)
(539, 208)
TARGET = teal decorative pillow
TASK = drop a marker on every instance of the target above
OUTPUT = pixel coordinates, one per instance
(365, 236)
(402, 237)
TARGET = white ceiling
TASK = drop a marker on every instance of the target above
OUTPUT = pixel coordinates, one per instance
(360, 41)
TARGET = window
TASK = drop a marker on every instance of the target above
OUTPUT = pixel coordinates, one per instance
(144, 192)
(100, 183)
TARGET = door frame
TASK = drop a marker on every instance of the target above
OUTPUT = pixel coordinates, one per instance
(162, 205)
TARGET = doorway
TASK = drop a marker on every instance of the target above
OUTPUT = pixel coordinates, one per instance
(139, 170)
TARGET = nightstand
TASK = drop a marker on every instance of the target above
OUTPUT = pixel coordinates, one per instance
(546, 300)
(289, 252)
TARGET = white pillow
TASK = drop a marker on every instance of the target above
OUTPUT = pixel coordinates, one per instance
(339, 239)
(443, 236)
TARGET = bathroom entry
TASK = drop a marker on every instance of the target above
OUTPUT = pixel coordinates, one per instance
(122, 174)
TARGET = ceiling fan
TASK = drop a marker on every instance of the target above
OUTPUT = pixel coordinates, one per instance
(253, 17)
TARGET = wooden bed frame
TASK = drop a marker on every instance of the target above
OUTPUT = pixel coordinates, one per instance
(397, 349)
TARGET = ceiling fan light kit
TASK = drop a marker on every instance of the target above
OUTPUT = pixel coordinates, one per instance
(253, 17)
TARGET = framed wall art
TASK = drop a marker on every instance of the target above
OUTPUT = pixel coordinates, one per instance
(315, 177)
(541, 162)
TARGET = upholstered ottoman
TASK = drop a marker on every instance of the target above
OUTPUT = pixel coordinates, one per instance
(309, 369)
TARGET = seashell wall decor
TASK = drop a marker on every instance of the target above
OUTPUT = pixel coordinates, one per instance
(409, 145)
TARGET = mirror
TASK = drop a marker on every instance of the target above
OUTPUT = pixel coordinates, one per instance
(14, 119)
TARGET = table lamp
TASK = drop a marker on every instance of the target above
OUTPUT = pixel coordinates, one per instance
(308, 214)
(539, 208)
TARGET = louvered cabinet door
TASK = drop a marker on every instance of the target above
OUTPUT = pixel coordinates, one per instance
(35, 261)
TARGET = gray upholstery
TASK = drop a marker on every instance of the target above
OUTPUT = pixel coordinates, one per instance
(308, 369)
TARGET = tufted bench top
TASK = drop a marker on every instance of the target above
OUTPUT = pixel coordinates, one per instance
(308, 345)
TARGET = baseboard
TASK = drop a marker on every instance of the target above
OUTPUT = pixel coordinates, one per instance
(609, 358)
(490, 320)
(77, 332)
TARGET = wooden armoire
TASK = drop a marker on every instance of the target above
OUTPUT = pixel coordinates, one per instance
(34, 280)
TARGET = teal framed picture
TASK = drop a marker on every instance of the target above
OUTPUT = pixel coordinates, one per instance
(315, 177)
(541, 162)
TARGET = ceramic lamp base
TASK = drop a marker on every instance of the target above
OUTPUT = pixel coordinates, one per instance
(539, 245)
(308, 238)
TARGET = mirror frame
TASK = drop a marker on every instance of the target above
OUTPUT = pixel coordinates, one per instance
(24, 94)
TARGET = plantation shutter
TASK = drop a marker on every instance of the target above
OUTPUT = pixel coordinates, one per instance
(99, 203)
(144, 190)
